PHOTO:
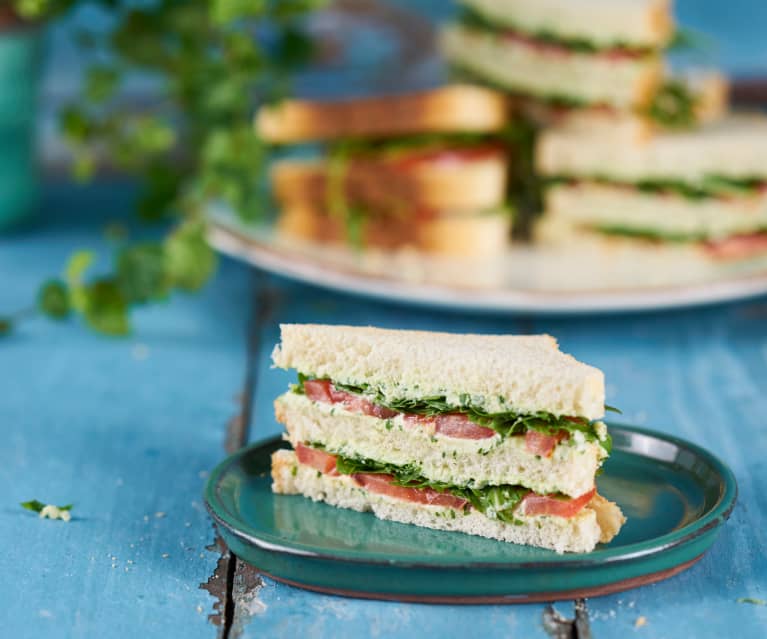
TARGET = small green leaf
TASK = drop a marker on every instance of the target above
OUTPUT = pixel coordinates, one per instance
(612, 409)
(34, 505)
(79, 262)
(106, 309)
(101, 83)
(53, 299)
(189, 260)
(752, 600)
(141, 273)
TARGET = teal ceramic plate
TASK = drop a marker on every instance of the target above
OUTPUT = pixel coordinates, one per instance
(675, 494)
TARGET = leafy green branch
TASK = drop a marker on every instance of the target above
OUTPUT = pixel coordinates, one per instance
(212, 62)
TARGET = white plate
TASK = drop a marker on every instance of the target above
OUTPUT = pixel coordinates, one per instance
(525, 279)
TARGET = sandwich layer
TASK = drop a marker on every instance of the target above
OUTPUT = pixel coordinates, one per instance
(569, 468)
(460, 235)
(734, 147)
(449, 180)
(556, 230)
(552, 73)
(449, 109)
(602, 23)
(494, 373)
(682, 101)
(598, 521)
(664, 214)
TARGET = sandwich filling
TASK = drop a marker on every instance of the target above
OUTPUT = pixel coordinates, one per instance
(496, 502)
(542, 431)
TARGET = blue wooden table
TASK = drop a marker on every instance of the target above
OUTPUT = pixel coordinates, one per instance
(128, 429)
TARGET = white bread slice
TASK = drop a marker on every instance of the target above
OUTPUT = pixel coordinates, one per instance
(456, 235)
(599, 521)
(735, 146)
(454, 108)
(478, 462)
(524, 69)
(499, 372)
(590, 204)
(461, 185)
(638, 23)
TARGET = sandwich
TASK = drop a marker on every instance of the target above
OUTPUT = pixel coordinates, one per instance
(423, 170)
(705, 188)
(491, 435)
(585, 54)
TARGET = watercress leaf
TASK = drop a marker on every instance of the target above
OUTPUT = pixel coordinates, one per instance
(34, 505)
(106, 309)
(53, 299)
(140, 271)
(189, 260)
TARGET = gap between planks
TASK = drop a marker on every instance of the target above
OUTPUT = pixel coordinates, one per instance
(232, 579)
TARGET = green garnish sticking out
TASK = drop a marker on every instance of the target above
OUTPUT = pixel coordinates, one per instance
(505, 424)
(497, 502)
(48, 510)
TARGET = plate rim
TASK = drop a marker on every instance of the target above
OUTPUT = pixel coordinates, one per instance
(716, 516)
(230, 241)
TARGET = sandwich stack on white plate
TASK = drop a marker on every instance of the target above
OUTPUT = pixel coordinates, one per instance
(626, 151)
(420, 171)
(492, 435)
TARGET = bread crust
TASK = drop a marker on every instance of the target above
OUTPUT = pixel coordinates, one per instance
(500, 373)
(453, 108)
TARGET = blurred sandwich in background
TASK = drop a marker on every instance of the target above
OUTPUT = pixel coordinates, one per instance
(422, 170)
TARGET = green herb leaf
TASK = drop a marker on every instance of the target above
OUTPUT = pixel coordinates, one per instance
(34, 505)
(612, 409)
(497, 502)
(752, 600)
(189, 260)
(106, 309)
(673, 105)
(141, 273)
(53, 299)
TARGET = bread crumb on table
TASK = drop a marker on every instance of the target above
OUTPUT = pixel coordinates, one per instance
(641, 621)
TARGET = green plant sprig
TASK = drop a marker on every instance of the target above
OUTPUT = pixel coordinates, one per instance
(214, 62)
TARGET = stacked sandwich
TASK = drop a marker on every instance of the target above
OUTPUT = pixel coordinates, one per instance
(497, 436)
(421, 170)
(625, 150)
(587, 53)
(704, 188)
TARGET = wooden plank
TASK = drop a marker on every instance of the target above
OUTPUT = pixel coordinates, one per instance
(126, 429)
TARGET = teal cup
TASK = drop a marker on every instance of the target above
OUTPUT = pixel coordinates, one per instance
(19, 77)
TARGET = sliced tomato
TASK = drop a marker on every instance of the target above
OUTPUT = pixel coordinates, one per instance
(318, 459)
(738, 246)
(451, 425)
(322, 390)
(382, 484)
(318, 390)
(442, 155)
(555, 48)
(541, 443)
(534, 504)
